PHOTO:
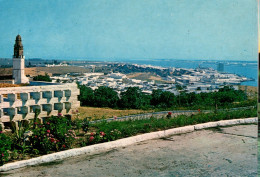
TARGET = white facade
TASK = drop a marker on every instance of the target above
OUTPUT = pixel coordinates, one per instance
(18, 71)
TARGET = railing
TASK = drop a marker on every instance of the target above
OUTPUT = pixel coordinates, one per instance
(22, 103)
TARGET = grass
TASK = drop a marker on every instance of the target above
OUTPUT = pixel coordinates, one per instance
(133, 127)
(105, 113)
(94, 113)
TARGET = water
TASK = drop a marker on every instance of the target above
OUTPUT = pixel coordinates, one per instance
(248, 69)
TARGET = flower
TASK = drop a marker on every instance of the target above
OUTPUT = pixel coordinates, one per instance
(35, 123)
(3, 155)
(77, 110)
(92, 134)
(48, 131)
(48, 134)
(1, 132)
(91, 138)
(63, 145)
(52, 140)
(169, 113)
(59, 114)
(48, 123)
(115, 117)
(35, 136)
(102, 134)
(198, 110)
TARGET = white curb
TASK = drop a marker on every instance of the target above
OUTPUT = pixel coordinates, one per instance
(98, 148)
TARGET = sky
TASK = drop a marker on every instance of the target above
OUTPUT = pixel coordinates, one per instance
(131, 29)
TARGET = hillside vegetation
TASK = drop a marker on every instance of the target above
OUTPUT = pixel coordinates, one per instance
(133, 98)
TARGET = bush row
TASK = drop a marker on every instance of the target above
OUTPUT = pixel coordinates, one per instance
(134, 98)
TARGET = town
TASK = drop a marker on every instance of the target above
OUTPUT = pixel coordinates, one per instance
(179, 79)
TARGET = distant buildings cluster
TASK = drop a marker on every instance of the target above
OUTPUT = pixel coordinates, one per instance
(199, 80)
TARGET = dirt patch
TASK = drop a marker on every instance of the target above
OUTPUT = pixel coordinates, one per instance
(133, 75)
(144, 76)
(54, 70)
(6, 71)
(157, 78)
(251, 91)
(148, 77)
(105, 113)
(3, 85)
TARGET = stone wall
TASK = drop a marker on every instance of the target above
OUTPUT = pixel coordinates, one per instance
(21, 103)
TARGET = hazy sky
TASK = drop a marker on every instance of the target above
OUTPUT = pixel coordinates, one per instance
(136, 29)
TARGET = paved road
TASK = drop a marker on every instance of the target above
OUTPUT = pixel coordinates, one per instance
(229, 151)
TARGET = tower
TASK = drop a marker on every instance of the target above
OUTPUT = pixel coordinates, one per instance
(18, 62)
(220, 67)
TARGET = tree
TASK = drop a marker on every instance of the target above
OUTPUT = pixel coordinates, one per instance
(105, 97)
(156, 97)
(162, 98)
(179, 87)
(86, 96)
(46, 78)
(168, 99)
(134, 98)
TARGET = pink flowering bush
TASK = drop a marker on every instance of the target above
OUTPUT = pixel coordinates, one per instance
(102, 136)
(91, 138)
(85, 124)
(5, 146)
(114, 135)
(53, 135)
(97, 137)
(169, 115)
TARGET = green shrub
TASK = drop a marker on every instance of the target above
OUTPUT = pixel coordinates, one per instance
(5, 146)
(53, 135)
(85, 125)
(45, 77)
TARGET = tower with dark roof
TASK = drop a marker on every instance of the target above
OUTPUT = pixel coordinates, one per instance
(18, 62)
